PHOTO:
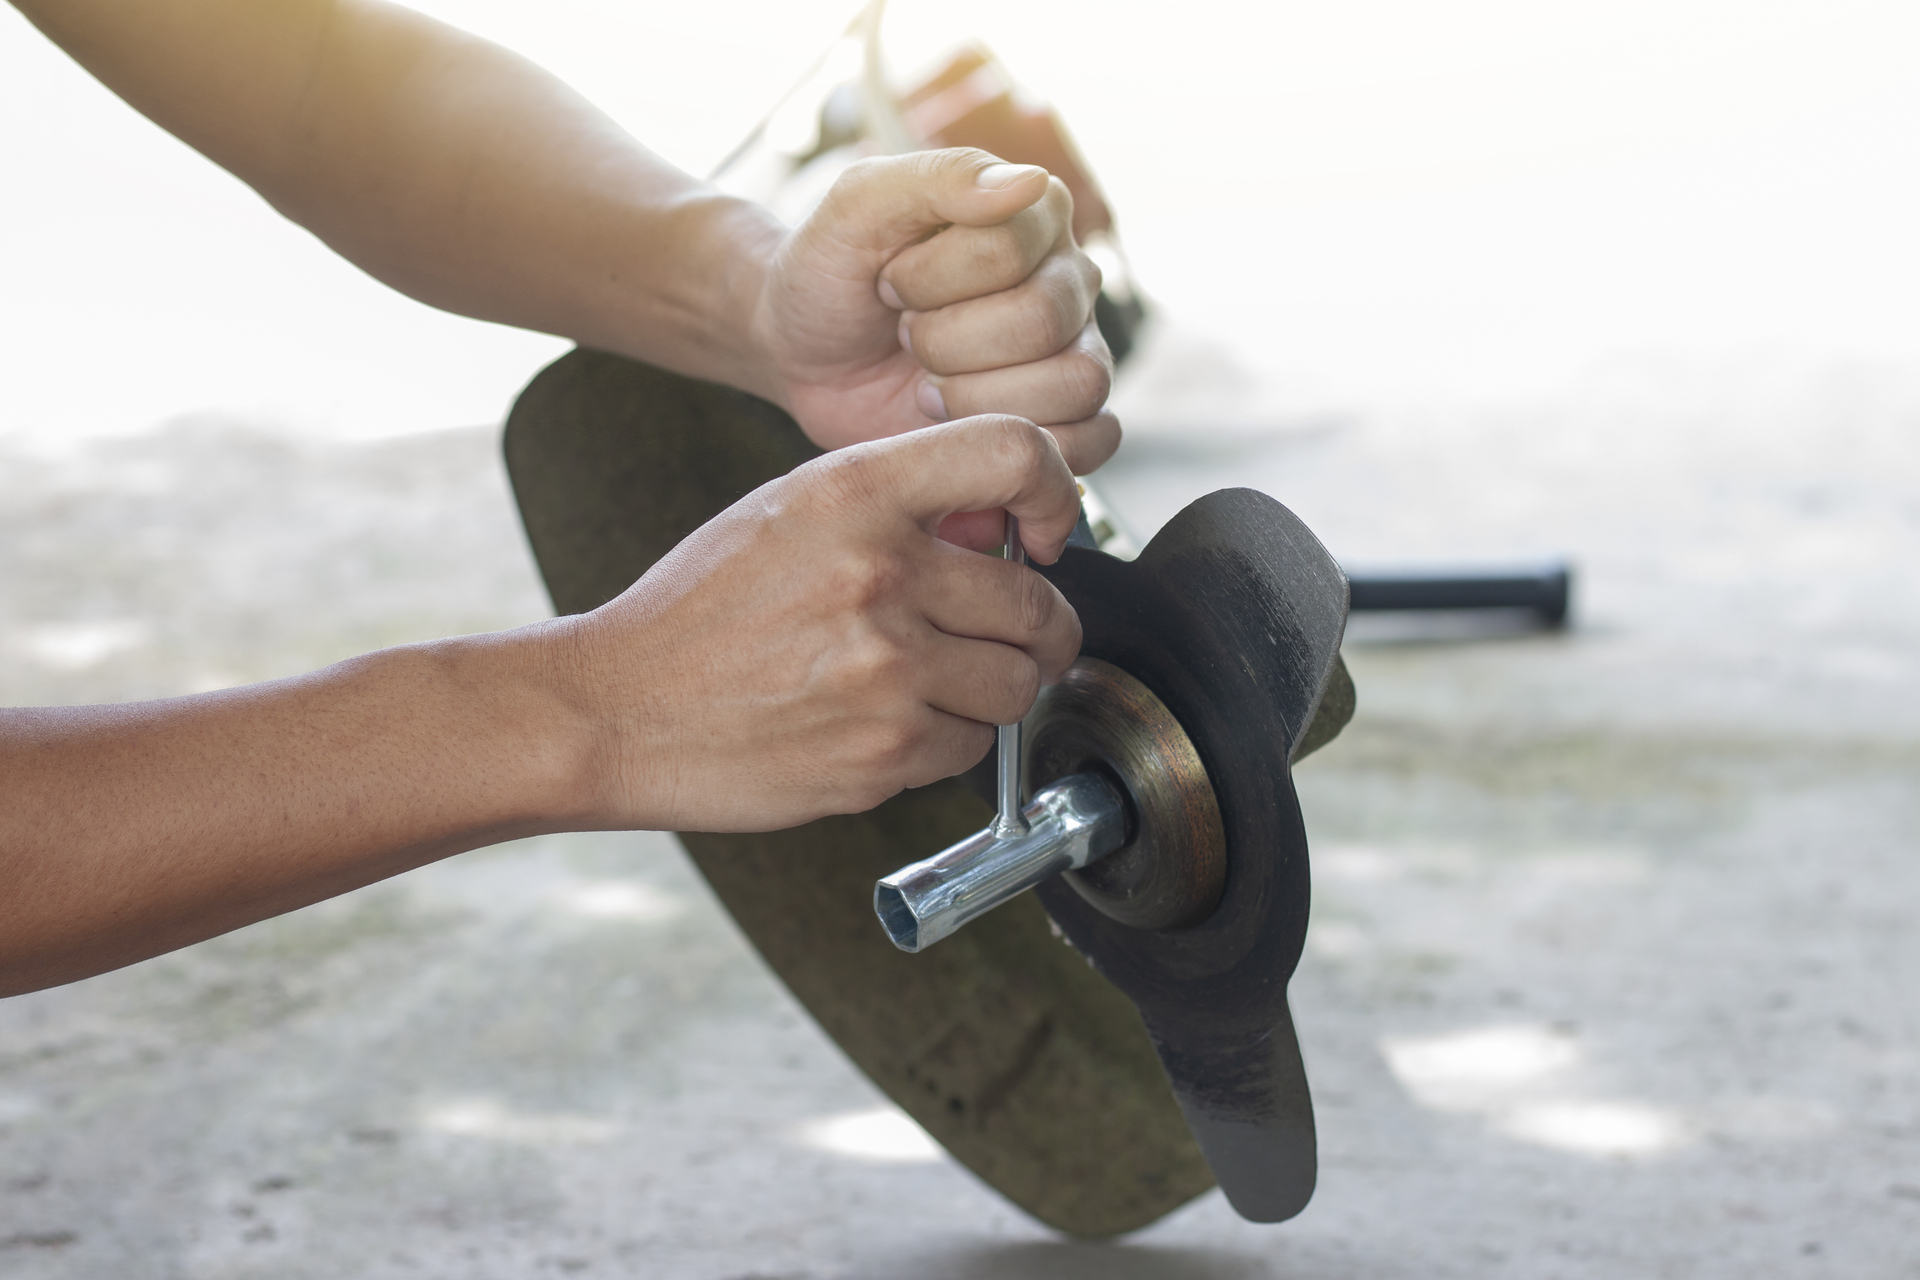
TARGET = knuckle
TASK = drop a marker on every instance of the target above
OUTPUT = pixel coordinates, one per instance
(1034, 445)
(1023, 690)
(849, 477)
(1059, 202)
(1023, 447)
(867, 665)
(997, 255)
(928, 170)
(860, 580)
(1071, 649)
(926, 164)
(1035, 604)
(1087, 380)
(966, 160)
(892, 741)
(1041, 328)
(1092, 278)
(930, 345)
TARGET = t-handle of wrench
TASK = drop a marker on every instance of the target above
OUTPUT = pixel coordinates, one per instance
(1010, 821)
(1072, 822)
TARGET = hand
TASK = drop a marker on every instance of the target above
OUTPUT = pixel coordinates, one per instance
(816, 647)
(933, 286)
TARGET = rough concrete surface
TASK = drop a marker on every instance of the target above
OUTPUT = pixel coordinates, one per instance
(1610, 974)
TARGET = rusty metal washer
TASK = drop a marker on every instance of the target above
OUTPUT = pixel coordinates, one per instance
(1173, 868)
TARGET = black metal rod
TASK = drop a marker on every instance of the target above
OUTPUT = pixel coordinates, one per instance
(1544, 589)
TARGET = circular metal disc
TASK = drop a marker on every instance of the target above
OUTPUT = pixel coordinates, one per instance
(1030, 1068)
(1173, 867)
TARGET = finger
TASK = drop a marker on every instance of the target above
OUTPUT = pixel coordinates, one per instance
(976, 680)
(972, 465)
(1087, 445)
(950, 744)
(983, 598)
(1069, 386)
(883, 204)
(964, 262)
(903, 747)
(1030, 321)
(975, 530)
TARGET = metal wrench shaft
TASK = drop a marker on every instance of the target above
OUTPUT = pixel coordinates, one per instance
(1010, 821)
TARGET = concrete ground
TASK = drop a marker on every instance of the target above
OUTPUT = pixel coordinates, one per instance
(1614, 935)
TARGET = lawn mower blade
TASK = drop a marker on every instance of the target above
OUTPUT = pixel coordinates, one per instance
(1233, 616)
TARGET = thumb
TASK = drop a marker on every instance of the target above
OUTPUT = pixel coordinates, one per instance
(886, 203)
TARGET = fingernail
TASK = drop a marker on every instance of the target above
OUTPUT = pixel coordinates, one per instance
(904, 330)
(891, 297)
(998, 177)
(931, 402)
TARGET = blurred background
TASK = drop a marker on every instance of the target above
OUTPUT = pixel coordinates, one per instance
(1613, 927)
(1359, 203)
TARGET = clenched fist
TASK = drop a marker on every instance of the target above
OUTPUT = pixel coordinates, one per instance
(935, 285)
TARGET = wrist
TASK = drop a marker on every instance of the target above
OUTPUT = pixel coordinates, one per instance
(534, 732)
(691, 298)
(753, 237)
(605, 734)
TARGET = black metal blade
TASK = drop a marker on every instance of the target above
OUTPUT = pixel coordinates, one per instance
(1233, 616)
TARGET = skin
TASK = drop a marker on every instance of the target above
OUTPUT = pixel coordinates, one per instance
(464, 175)
(832, 638)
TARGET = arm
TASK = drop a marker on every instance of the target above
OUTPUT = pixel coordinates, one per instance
(467, 177)
(452, 169)
(813, 650)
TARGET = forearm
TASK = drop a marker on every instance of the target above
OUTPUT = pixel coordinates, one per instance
(127, 831)
(811, 650)
(445, 166)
